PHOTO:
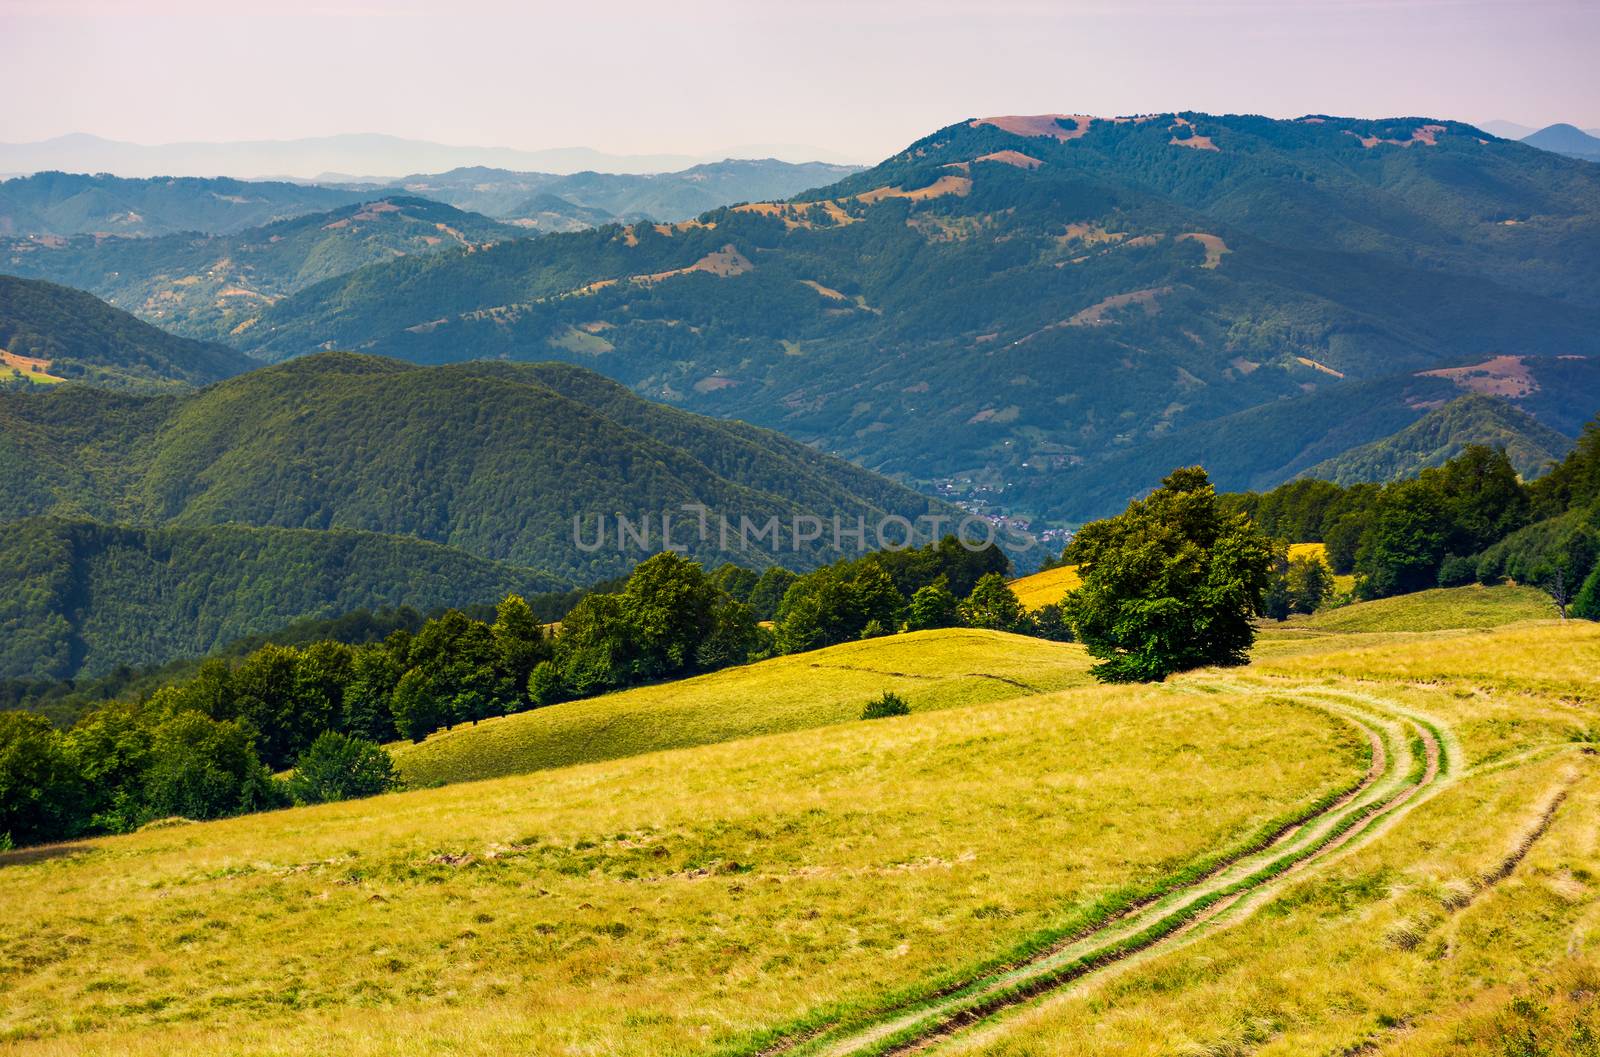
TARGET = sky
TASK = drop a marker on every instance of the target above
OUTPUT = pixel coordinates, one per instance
(858, 79)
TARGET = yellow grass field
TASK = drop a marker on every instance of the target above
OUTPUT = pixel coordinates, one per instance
(1046, 588)
(1375, 842)
(930, 669)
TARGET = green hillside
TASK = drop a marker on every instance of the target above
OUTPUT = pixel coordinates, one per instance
(930, 669)
(58, 204)
(51, 333)
(1441, 434)
(1018, 312)
(486, 457)
(1437, 610)
(207, 286)
(80, 598)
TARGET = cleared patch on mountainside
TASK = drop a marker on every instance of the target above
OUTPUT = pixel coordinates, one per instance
(723, 264)
(1012, 157)
(826, 291)
(798, 215)
(28, 366)
(1039, 125)
(1507, 376)
(1095, 315)
(1306, 361)
(1213, 244)
(944, 185)
(1427, 135)
(1089, 234)
(1192, 139)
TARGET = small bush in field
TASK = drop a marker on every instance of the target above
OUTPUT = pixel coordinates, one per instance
(890, 704)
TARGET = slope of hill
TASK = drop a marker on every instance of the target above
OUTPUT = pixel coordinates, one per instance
(949, 668)
(1041, 307)
(1566, 139)
(485, 457)
(204, 286)
(58, 204)
(1440, 435)
(1335, 823)
(1046, 588)
(595, 197)
(51, 333)
(80, 598)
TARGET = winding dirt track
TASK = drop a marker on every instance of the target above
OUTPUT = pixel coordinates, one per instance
(1412, 757)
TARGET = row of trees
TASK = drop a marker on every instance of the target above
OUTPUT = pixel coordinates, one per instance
(1471, 519)
(132, 762)
(209, 745)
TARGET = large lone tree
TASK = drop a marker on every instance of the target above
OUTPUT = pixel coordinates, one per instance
(1170, 584)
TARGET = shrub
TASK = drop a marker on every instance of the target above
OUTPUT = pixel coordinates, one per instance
(890, 704)
(339, 767)
(1456, 571)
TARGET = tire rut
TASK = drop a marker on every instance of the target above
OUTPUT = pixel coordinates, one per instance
(1228, 888)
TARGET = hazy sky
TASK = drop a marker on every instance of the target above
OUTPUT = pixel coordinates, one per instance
(861, 78)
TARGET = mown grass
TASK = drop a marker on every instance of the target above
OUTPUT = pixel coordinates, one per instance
(1046, 588)
(930, 669)
(674, 902)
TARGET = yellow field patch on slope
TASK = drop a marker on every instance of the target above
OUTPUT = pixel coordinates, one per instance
(1014, 158)
(1046, 588)
(1214, 247)
(944, 185)
(1095, 314)
(1039, 125)
(29, 367)
(930, 669)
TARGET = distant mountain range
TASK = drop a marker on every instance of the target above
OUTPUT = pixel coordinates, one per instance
(588, 198)
(206, 285)
(1044, 314)
(58, 203)
(324, 157)
(51, 334)
(63, 204)
(1565, 139)
(1513, 130)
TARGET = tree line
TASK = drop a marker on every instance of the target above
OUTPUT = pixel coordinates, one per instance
(1470, 520)
(213, 743)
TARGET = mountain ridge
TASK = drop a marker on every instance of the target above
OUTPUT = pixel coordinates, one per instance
(1010, 306)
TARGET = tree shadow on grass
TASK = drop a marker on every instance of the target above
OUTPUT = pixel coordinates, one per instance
(44, 853)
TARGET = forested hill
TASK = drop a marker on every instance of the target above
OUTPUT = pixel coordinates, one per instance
(80, 598)
(57, 204)
(1048, 307)
(205, 286)
(1442, 434)
(494, 459)
(50, 334)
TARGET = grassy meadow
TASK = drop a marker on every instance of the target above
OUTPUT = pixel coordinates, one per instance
(1374, 841)
(930, 669)
(1046, 588)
